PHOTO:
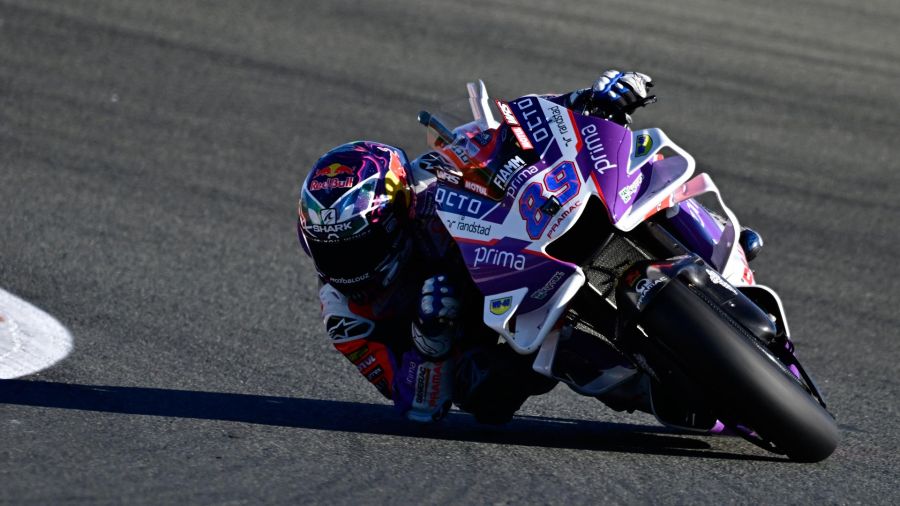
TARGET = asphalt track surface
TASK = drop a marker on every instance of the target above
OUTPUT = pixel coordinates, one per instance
(149, 158)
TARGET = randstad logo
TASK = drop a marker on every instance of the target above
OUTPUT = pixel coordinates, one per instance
(500, 306)
(498, 258)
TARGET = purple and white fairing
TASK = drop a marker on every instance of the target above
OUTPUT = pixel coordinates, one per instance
(504, 243)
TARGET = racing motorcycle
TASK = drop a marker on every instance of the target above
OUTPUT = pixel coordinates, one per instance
(598, 250)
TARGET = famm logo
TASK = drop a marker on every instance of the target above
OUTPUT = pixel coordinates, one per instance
(503, 175)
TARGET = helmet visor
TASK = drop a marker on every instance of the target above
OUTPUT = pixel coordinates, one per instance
(352, 261)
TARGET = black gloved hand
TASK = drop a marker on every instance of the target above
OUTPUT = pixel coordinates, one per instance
(617, 94)
(435, 329)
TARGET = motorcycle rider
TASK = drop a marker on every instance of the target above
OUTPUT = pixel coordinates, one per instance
(394, 289)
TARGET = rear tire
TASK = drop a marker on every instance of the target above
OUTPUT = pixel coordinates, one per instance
(739, 378)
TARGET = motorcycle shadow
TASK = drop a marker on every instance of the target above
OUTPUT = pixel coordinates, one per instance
(342, 416)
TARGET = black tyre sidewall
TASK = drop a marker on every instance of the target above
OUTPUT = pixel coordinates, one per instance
(737, 377)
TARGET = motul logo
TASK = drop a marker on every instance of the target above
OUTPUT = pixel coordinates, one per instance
(522, 138)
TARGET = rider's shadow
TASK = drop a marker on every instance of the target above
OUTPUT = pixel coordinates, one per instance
(355, 417)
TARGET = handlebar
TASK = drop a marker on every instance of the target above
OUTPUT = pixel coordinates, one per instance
(441, 130)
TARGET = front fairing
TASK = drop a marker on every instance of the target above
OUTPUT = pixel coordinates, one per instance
(505, 209)
(502, 231)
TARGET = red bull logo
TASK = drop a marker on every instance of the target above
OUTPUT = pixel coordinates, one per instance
(330, 184)
(332, 173)
(334, 170)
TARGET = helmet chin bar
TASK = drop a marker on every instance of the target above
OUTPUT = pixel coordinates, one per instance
(393, 263)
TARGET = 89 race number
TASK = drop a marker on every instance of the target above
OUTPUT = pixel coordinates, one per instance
(562, 182)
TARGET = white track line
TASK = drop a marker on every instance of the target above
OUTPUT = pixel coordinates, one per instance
(30, 339)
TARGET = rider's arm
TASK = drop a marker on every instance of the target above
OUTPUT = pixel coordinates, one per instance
(614, 96)
(362, 340)
(418, 378)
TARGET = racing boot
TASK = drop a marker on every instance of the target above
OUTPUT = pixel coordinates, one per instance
(493, 381)
(423, 387)
(632, 395)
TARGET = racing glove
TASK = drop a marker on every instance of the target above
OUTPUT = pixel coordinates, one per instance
(425, 379)
(615, 95)
(435, 329)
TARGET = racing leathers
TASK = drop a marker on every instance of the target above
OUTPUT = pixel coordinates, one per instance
(418, 341)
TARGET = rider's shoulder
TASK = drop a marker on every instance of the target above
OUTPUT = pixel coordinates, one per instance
(336, 304)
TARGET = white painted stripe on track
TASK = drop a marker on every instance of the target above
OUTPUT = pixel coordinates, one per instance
(30, 339)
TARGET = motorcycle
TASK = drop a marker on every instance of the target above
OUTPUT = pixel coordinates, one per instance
(599, 251)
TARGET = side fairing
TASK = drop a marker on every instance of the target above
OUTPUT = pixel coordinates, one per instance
(504, 242)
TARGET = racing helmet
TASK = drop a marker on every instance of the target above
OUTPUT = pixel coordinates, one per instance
(352, 217)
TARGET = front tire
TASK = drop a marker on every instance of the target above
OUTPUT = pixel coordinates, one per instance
(738, 377)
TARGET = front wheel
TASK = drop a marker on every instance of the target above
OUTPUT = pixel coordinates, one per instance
(739, 379)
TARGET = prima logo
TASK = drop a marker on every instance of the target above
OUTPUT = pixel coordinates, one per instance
(498, 258)
(520, 178)
(594, 144)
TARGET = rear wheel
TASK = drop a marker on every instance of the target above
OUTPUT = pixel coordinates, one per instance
(741, 381)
